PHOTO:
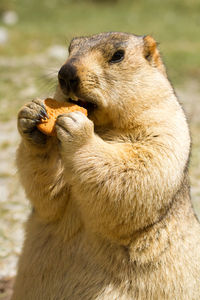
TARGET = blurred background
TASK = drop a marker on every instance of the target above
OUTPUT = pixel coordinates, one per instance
(34, 36)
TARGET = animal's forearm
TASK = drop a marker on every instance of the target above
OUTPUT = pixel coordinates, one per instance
(123, 187)
(41, 174)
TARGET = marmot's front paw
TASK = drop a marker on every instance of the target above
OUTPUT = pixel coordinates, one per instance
(29, 116)
(74, 130)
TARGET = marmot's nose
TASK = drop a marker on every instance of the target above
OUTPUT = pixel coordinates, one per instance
(68, 78)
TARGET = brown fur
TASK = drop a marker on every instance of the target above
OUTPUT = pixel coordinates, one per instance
(112, 214)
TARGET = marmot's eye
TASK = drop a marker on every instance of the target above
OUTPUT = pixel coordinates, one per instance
(117, 56)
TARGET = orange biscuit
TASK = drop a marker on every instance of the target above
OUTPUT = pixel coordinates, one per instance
(54, 109)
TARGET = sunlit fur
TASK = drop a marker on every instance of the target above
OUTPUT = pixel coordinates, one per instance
(112, 216)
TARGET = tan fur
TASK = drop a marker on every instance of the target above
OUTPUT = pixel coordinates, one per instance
(112, 216)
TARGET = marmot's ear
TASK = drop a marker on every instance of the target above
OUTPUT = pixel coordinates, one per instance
(152, 54)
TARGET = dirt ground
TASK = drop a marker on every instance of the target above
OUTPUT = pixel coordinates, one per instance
(15, 207)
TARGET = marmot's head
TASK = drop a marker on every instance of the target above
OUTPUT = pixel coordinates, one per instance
(116, 76)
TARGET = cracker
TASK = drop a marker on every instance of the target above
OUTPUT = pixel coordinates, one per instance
(54, 109)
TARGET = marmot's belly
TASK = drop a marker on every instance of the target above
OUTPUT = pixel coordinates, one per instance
(54, 269)
(52, 272)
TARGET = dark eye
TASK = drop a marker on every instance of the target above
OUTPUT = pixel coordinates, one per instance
(117, 56)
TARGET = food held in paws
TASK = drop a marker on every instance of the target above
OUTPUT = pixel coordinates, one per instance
(54, 109)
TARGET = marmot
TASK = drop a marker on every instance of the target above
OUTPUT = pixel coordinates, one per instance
(112, 217)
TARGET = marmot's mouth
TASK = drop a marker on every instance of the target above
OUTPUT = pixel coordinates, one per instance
(90, 106)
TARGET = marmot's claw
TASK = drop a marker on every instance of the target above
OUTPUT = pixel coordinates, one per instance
(41, 115)
(29, 116)
(44, 113)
